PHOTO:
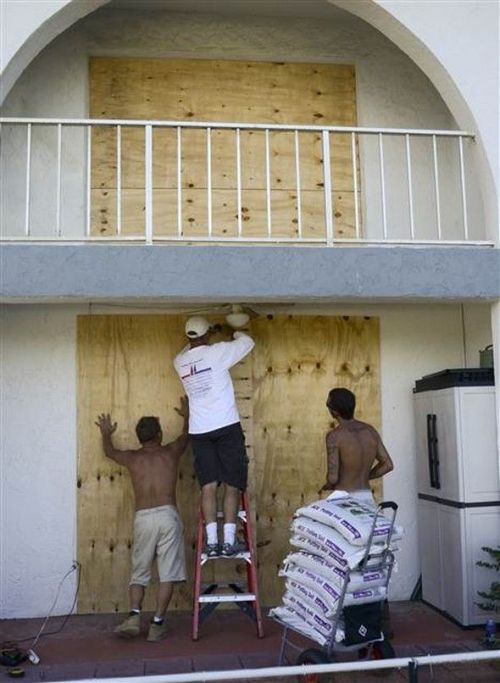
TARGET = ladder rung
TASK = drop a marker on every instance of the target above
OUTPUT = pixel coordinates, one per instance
(225, 597)
(245, 555)
(241, 514)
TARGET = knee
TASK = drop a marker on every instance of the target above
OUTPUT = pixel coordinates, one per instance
(209, 489)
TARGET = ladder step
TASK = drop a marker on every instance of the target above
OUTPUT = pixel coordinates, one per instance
(241, 514)
(226, 597)
(244, 555)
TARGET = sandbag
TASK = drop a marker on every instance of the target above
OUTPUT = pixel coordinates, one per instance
(351, 518)
(288, 616)
(324, 587)
(336, 549)
(357, 580)
(309, 614)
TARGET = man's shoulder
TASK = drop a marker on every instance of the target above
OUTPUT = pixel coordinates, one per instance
(333, 434)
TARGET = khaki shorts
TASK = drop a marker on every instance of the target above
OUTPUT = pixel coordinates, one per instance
(158, 532)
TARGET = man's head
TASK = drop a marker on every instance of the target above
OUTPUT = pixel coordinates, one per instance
(197, 330)
(341, 402)
(148, 429)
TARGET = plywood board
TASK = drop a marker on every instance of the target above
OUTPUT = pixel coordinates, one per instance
(210, 90)
(194, 208)
(297, 361)
(125, 367)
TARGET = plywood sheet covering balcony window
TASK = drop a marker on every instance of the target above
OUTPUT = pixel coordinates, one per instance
(224, 91)
(125, 368)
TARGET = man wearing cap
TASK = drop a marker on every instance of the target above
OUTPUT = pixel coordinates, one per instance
(214, 426)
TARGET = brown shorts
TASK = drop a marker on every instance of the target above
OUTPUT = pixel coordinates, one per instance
(158, 532)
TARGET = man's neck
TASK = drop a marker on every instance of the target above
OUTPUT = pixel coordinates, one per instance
(150, 445)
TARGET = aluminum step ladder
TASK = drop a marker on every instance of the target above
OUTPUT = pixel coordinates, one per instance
(247, 599)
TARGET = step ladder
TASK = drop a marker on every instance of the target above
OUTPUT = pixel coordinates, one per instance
(206, 601)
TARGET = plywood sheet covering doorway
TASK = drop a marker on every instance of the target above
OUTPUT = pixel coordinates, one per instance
(125, 367)
(225, 91)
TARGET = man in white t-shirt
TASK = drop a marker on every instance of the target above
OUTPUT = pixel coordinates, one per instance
(214, 426)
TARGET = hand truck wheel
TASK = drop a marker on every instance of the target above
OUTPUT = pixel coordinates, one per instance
(314, 656)
(382, 649)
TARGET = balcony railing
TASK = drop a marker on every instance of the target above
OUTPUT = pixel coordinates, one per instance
(176, 181)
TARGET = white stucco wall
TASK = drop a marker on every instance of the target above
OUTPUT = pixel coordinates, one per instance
(391, 92)
(37, 459)
(39, 449)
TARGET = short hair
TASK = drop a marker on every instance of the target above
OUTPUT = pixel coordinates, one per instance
(148, 428)
(343, 402)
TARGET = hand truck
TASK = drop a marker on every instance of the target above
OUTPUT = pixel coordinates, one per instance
(374, 648)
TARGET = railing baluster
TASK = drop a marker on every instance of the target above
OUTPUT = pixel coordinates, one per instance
(410, 186)
(462, 183)
(436, 185)
(179, 181)
(238, 182)
(148, 179)
(28, 182)
(118, 180)
(209, 181)
(58, 181)
(297, 175)
(382, 184)
(59, 204)
(89, 180)
(355, 184)
(327, 187)
(268, 186)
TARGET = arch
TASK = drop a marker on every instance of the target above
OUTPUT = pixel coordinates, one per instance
(26, 31)
(473, 103)
(412, 28)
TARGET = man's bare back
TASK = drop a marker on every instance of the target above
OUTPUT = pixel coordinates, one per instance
(355, 452)
(352, 450)
(153, 471)
(152, 467)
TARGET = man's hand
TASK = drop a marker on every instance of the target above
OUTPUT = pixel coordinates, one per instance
(105, 425)
(183, 410)
(327, 487)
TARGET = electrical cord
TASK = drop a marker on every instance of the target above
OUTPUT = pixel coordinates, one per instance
(76, 566)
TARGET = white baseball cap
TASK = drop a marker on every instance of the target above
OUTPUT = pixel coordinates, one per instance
(196, 327)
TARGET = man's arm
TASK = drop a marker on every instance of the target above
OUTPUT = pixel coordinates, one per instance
(231, 352)
(178, 446)
(384, 461)
(108, 428)
(333, 462)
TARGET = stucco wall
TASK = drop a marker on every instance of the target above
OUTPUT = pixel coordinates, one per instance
(37, 460)
(391, 92)
(38, 482)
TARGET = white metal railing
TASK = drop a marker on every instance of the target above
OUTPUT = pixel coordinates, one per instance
(408, 669)
(185, 181)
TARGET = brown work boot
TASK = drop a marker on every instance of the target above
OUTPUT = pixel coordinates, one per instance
(130, 627)
(156, 632)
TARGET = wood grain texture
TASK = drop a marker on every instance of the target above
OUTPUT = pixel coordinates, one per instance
(211, 90)
(296, 362)
(125, 367)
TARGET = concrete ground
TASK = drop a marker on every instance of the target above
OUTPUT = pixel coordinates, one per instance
(87, 647)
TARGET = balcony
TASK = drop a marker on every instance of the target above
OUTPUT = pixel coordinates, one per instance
(150, 182)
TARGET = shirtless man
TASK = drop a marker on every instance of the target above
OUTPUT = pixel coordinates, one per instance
(158, 530)
(355, 452)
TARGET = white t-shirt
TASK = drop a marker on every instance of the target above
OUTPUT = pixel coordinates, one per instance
(204, 372)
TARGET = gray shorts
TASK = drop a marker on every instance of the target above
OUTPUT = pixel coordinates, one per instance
(158, 532)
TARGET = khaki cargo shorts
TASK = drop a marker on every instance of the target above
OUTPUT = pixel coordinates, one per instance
(158, 532)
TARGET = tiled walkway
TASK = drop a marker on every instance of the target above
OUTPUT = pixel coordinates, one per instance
(87, 648)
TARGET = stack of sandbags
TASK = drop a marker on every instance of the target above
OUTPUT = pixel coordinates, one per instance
(330, 538)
